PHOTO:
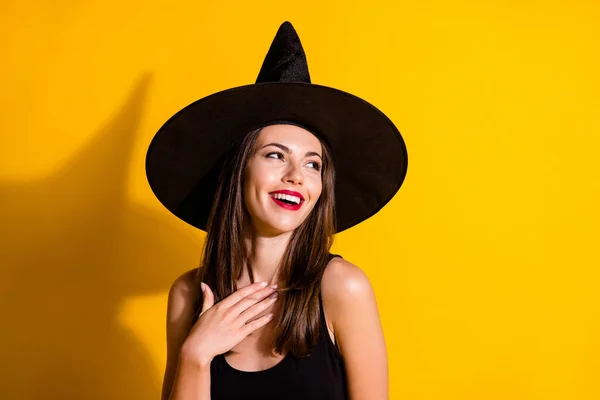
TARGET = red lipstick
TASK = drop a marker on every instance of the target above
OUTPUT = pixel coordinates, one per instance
(285, 205)
(290, 192)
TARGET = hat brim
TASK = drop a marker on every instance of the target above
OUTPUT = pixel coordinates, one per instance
(369, 154)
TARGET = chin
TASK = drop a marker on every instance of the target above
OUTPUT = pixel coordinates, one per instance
(281, 228)
(278, 227)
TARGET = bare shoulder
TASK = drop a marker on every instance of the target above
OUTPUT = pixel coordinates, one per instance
(180, 314)
(343, 280)
(183, 293)
(346, 291)
(185, 284)
(349, 299)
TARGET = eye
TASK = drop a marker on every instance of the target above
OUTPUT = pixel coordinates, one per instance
(279, 156)
(276, 153)
(315, 164)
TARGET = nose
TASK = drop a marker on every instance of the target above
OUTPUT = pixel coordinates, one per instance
(294, 175)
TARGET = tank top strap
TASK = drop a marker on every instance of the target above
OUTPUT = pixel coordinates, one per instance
(324, 330)
(331, 257)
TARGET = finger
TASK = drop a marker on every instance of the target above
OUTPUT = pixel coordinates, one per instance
(257, 308)
(208, 298)
(241, 293)
(257, 323)
(252, 299)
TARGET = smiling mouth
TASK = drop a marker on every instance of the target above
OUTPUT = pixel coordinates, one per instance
(287, 202)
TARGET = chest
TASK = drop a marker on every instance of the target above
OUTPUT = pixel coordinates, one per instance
(254, 352)
(319, 376)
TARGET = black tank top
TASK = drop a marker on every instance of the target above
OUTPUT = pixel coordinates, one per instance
(319, 376)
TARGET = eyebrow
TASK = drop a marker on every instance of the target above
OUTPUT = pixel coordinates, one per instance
(287, 150)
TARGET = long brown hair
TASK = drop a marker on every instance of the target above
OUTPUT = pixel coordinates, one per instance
(303, 262)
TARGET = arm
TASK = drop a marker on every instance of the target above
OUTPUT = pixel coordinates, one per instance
(352, 308)
(185, 378)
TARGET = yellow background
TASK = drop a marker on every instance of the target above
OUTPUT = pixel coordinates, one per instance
(485, 264)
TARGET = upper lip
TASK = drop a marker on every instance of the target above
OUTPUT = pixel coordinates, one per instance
(289, 192)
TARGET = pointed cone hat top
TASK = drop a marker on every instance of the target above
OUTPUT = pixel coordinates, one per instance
(286, 60)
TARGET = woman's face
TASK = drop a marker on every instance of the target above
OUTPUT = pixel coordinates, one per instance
(282, 180)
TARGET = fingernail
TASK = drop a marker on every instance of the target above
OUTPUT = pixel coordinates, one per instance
(273, 286)
(274, 295)
(263, 284)
(203, 287)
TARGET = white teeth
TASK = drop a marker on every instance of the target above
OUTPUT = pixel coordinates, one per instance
(281, 196)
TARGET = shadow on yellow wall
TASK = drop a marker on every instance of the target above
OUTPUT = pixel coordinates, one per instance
(75, 249)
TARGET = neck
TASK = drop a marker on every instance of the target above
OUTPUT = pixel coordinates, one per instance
(264, 255)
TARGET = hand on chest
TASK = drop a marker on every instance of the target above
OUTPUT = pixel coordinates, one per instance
(255, 353)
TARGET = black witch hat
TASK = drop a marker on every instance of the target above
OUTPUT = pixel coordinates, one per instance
(185, 157)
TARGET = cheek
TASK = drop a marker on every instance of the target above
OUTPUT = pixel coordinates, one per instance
(251, 176)
(249, 186)
(257, 179)
(316, 188)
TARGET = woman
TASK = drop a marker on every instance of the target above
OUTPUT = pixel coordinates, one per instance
(271, 171)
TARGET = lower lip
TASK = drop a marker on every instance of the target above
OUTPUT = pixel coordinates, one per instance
(286, 205)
